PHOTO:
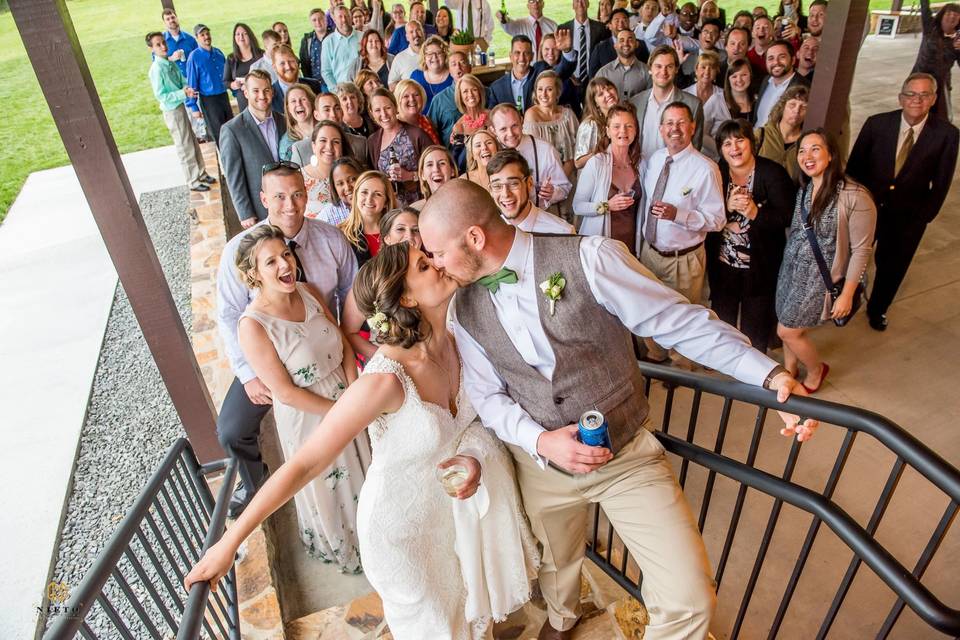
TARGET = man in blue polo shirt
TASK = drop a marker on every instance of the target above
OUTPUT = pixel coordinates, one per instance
(205, 76)
(179, 47)
(398, 41)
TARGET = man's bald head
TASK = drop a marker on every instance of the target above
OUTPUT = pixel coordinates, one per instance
(461, 225)
(459, 205)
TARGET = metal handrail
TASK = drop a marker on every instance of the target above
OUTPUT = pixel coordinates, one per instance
(165, 481)
(906, 584)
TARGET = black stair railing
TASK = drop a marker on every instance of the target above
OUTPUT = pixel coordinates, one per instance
(134, 589)
(683, 387)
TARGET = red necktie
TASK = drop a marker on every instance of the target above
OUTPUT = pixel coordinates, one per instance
(537, 35)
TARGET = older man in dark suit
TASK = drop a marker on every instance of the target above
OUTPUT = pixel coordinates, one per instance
(906, 159)
(247, 143)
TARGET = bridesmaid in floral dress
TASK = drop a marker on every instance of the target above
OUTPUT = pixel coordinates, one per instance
(292, 342)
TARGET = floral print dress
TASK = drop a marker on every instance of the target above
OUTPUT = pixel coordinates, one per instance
(312, 353)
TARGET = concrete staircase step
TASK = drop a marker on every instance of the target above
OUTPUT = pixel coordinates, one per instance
(606, 616)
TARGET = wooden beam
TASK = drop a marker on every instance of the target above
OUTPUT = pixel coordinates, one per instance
(836, 63)
(167, 4)
(54, 51)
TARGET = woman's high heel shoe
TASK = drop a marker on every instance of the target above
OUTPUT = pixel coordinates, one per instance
(824, 370)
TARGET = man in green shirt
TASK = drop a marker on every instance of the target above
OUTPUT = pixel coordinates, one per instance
(171, 92)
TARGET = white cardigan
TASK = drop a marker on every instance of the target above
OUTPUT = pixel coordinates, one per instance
(593, 188)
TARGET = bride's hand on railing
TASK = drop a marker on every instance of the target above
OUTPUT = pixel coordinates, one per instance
(214, 564)
(785, 386)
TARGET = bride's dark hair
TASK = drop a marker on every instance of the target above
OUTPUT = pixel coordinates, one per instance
(378, 288)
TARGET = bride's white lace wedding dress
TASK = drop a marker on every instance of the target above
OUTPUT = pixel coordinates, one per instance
(443, 567)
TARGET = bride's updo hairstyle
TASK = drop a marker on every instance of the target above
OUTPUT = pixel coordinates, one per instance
(378, 287)
(246, 258)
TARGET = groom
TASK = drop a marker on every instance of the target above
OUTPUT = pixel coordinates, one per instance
(531, 372)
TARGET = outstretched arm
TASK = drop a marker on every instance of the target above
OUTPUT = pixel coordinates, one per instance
(362, 403)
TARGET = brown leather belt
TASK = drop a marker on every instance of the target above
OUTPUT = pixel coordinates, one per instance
(678, 252)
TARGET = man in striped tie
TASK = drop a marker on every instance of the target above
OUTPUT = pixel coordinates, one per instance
(583, 35)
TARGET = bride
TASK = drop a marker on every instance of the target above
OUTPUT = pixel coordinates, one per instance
(443, 568)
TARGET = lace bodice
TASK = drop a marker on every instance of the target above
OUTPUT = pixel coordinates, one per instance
(433, 423)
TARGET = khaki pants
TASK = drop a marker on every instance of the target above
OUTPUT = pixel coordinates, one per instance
(188, 149)
(642, 500)
(686, 274)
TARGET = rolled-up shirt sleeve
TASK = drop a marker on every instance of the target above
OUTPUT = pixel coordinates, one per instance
(650, 309)
(488, 393)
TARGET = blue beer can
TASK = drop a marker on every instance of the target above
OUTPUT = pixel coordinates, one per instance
(593, 429)
(483, 58)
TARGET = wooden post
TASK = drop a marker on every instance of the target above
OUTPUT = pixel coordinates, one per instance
(54, 51)
(896, 5)
(836, 62)
(168, 4)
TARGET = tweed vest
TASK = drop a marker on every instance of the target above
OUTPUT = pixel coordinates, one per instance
(595, 364)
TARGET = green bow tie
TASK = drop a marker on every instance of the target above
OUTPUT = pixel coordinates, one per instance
(492, 282)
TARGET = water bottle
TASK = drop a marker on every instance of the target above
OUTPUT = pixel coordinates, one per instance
(476, 56)
(492, 58)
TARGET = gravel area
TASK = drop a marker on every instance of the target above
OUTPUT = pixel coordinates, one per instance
(130, 422)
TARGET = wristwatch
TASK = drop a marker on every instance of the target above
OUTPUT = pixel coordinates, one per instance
(777, 370)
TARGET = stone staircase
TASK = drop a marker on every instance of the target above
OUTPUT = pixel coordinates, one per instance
(608, 614)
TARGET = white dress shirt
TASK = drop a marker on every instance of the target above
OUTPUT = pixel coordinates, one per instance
(769, 98)
(526, 26)
(652, 140)
(545, 163)
(624, 288)
(482, 17)
(654, 37)
(328, 262)
(540, 221)
(403, 65)
(693, 188)
(902, 137)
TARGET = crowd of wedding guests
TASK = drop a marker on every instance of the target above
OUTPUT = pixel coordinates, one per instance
(676, 130)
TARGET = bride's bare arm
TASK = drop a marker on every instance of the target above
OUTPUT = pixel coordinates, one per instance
(362, 402)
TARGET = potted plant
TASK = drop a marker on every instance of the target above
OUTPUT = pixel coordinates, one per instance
(463, 40)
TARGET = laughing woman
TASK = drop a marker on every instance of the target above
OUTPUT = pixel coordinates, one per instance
(436, 168)
(298, 111)
(327, 142)
(843, 218)
(292, 342)
(481, 147)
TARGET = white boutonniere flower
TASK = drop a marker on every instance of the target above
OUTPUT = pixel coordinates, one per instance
(686, 191)
(552, 288)
(603, 208)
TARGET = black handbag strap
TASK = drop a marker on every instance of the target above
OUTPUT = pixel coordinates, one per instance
(814, 245)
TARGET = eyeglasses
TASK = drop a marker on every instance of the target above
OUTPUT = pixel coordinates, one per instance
(273, 166)
(913, 95)
(513, 184)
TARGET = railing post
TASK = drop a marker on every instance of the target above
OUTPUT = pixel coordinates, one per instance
(54, 51)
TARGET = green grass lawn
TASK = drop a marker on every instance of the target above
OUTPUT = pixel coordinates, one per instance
(111, 34)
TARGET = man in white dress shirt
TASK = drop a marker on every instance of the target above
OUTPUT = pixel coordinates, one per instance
(550, 182)
(683, 201)
(325, 260)
(534, 26)
(511, 186)
(531, 368)
(481, 21)
(407, 60)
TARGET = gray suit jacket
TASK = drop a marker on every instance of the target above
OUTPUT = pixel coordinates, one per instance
(243, 152)
(302, 150)
(640, 100)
